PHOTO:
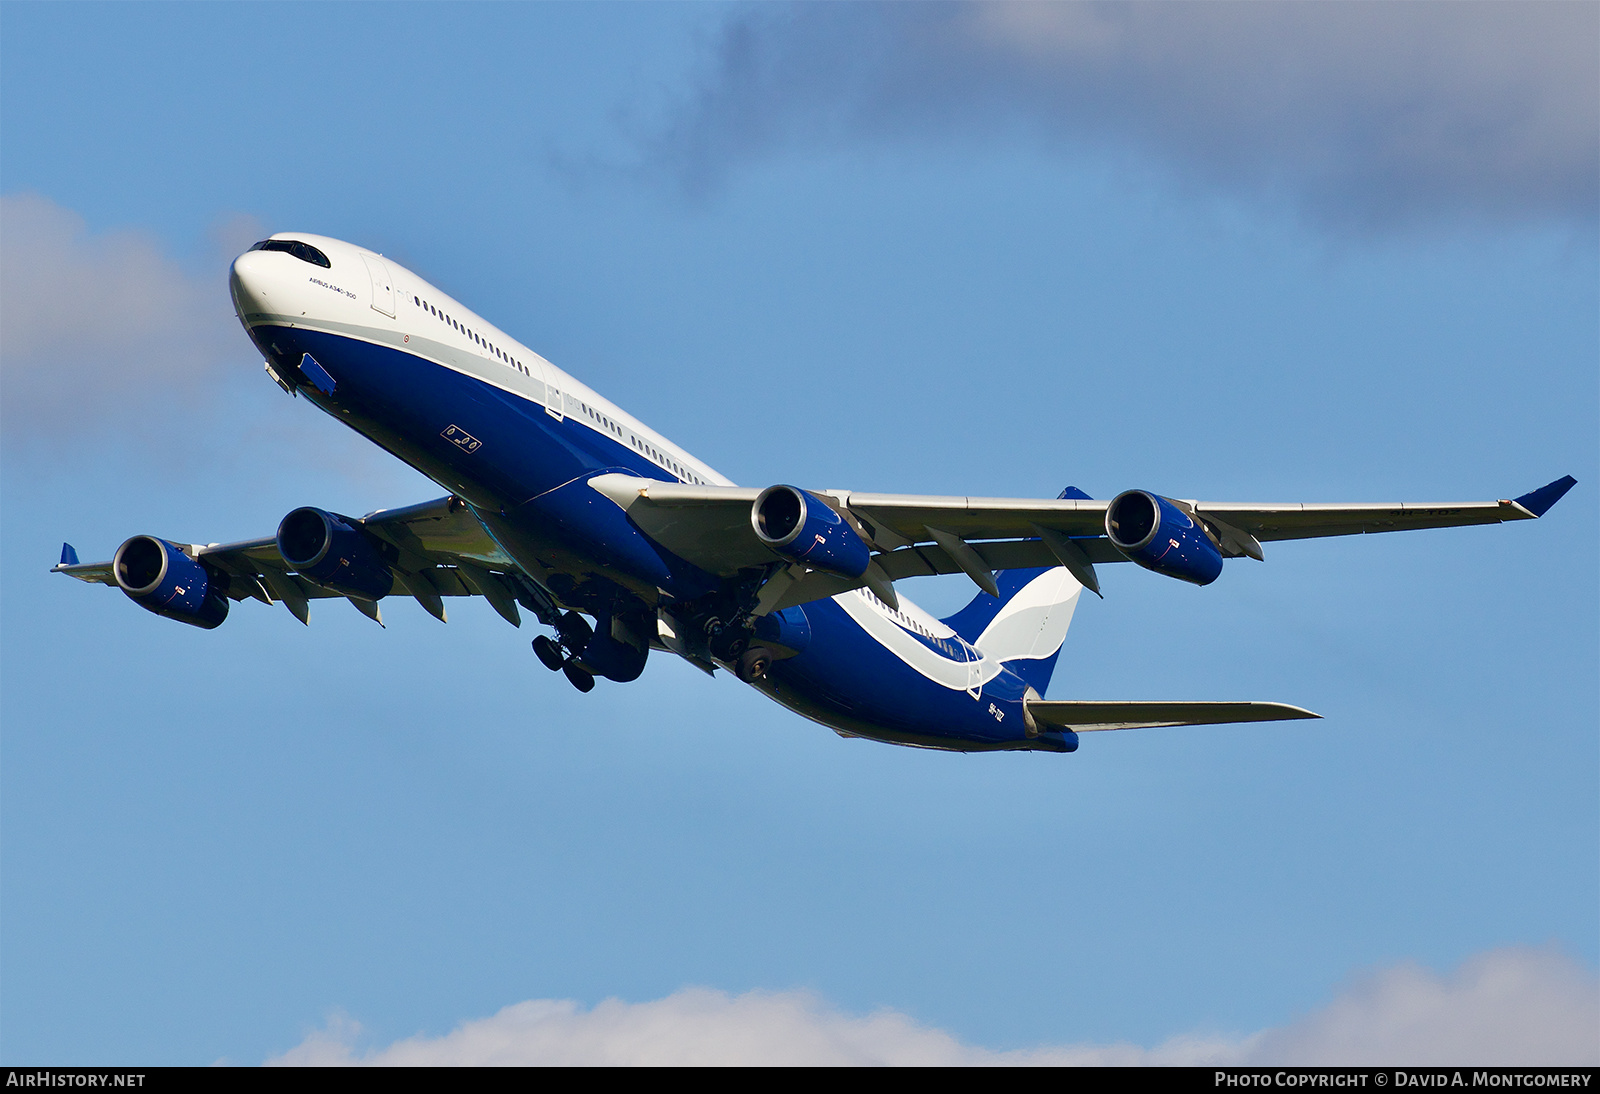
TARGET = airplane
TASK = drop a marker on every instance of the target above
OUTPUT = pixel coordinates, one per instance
(624, 544)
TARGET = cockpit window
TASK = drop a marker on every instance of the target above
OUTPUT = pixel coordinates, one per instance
(305, 252)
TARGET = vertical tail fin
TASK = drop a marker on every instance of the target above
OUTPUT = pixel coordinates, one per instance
(1025, 626)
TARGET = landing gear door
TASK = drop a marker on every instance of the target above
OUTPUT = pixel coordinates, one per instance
(382, 284)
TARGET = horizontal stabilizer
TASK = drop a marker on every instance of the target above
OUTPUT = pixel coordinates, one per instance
(1086, 716)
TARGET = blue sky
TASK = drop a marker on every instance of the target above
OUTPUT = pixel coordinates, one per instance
(949, 249)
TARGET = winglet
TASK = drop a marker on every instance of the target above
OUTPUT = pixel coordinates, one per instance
(1539, 501)
(69, 557)
(1072, 493)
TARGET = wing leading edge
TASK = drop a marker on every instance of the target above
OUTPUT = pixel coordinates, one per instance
(438, 549)
(918, 536)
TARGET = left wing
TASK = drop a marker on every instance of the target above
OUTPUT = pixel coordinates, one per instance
(912, 536)
(436, 549)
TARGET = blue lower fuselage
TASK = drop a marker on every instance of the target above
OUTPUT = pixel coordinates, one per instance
(525, 472)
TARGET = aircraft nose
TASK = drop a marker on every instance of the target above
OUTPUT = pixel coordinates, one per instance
(248, 283)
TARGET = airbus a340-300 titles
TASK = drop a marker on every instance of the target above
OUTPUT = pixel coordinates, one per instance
(622, 543)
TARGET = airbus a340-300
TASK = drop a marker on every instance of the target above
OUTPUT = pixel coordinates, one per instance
(624, 544)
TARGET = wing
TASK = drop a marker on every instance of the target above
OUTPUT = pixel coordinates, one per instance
(914, 536)
(436, 549)
(1089, 716)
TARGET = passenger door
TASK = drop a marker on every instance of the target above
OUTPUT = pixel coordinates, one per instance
(553, 404)
(382, 284)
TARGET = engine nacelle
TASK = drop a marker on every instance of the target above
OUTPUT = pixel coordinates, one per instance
(329, 550)
(1159, 536)
(159, 577)
(786, 631)
(801, 526)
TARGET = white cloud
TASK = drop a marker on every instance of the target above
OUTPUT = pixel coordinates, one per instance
(92, 325)
(1362, 114)
(1506, 1007)
(104, 338)
(1510, 1006)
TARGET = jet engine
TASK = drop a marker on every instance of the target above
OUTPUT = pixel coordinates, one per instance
(1159, 536)
(159, 577)
(331, 551)
(799, 525)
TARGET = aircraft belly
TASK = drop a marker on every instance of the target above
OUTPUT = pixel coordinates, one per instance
(495, 448)
(850, 681)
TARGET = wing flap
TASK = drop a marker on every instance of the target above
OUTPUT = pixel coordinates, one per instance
(710, 525)
(443, 530)
(926, 561)
(1088, 716)
(96, 573)
(443, 549)
(909, 515)
(1308, 521)
(1278, 522)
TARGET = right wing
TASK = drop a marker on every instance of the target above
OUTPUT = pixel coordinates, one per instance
(918, 536)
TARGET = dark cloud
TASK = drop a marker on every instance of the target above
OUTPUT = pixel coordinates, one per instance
(1362, 114)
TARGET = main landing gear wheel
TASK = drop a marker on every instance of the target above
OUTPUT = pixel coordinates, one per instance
(549, 653)
(574, 632)
(579, 679)
(726, 643)
(755, 662)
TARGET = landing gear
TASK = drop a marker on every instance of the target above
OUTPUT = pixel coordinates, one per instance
(754, 663)
(575, 633)
(578, 678)
(574, 630)
(549, 653)
(726, 641)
